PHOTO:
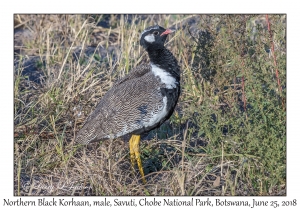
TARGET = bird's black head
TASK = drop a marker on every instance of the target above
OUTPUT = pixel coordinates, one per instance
(154, 37)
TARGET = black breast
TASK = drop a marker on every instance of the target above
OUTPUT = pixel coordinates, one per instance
(172, 98)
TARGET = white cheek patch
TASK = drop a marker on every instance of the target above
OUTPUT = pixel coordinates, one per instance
(149, 38)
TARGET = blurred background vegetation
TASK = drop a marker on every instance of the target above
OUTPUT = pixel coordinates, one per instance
(227, 135)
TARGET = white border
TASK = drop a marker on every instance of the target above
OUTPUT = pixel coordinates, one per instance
(151, 6)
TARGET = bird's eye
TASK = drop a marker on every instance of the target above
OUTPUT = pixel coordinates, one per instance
(155, 33)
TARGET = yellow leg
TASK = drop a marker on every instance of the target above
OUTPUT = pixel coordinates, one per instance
(132, 155)
(134, 144)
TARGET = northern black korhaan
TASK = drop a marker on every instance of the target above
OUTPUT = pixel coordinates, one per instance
(139, 102)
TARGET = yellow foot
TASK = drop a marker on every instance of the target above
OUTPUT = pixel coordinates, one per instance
(134, 144)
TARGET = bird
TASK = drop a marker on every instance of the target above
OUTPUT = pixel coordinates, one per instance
(140, 101)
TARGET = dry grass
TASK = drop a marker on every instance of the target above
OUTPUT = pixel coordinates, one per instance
(65, 63)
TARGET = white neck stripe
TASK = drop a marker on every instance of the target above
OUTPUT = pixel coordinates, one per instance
(165, 77)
